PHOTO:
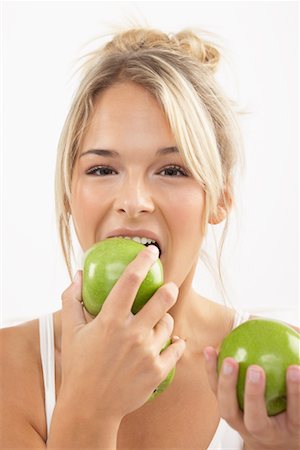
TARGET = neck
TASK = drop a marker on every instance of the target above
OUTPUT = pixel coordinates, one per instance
(187, 309)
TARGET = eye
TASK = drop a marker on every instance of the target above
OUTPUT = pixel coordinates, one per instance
(101, 171)
(174, 171)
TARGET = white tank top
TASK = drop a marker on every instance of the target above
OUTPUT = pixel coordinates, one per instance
(225, 437)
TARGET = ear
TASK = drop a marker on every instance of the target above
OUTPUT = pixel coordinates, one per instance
(223, 209)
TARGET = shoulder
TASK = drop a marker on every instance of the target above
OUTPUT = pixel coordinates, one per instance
(19, 344)
(217, 320)
(22, 382)
(27, 330)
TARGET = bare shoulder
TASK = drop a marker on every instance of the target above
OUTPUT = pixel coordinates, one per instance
(22, 396)
(216, 320)
(19, 345)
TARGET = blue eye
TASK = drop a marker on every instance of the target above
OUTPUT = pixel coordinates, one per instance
(101, 171)
(174, 171)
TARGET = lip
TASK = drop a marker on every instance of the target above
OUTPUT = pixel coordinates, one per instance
(139, 233)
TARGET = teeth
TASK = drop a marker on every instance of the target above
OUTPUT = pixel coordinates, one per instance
(140, 240)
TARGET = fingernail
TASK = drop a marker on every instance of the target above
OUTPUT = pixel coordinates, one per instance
(227, 369)
(254, 375)
(76, 277)
(153, 249)
(294, 374)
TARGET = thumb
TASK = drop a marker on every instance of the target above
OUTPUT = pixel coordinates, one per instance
(72, 308)
(211, 362)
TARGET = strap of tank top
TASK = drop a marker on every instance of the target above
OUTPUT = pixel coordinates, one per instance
(48, 364)
(240, 317)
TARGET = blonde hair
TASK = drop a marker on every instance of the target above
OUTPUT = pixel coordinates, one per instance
(178, 70)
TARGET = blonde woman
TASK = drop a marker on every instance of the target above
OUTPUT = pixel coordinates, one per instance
(149, 149)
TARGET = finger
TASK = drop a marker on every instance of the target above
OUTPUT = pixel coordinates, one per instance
(293, 396)
(163, 299)
(163, 331)
(210, 357)
(122, 295)
(255, 411)
(171, 355)
(227, 394)
(72, 310)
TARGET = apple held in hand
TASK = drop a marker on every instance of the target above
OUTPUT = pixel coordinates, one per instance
(270, 344)
(104, 263)
(164, 384)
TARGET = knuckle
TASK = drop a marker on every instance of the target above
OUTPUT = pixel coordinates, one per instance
(158, 373)
(132, 276)
(252, 397)
(254, 428)
(65, 296)
(177, 352)
(150, 358)
(108, 328)
(169, 321)
(108, 322)
(168, 295)
(136, 338)
(151, 350)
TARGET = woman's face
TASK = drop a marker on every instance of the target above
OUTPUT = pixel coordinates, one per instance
(129, 180)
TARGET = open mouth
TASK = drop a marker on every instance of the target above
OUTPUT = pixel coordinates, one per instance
(142, 240)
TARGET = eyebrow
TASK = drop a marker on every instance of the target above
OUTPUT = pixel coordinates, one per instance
(115, 154)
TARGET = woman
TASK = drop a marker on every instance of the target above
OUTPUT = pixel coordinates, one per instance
(149, 149)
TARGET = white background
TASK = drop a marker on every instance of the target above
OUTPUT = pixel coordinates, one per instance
(42, 41)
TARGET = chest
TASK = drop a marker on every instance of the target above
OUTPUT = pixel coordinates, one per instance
(184, 417)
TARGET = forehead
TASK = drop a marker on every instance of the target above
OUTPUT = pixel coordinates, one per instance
(129, 112)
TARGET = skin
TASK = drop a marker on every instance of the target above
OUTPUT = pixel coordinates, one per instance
(139, 193)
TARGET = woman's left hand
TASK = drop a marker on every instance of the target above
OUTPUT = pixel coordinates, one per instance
(257, 429)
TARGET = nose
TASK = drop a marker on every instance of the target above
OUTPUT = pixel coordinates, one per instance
(134, 198)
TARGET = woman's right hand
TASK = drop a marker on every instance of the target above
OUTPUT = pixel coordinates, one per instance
(113, 363)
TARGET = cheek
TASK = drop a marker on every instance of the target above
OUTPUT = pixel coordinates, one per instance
(87, 208)
(188, 208)
(186, 216)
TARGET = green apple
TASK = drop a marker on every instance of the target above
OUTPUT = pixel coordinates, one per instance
(104, 263)
(164, 384)
(270, 344)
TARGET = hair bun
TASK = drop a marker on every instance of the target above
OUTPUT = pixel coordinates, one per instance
(136, 38)
(185, 41)
(199, 48)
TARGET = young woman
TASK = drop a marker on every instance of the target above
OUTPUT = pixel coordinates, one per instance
(149, 149)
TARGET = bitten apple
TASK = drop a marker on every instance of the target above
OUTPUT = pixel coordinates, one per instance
(270, 344)
(104, 263)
